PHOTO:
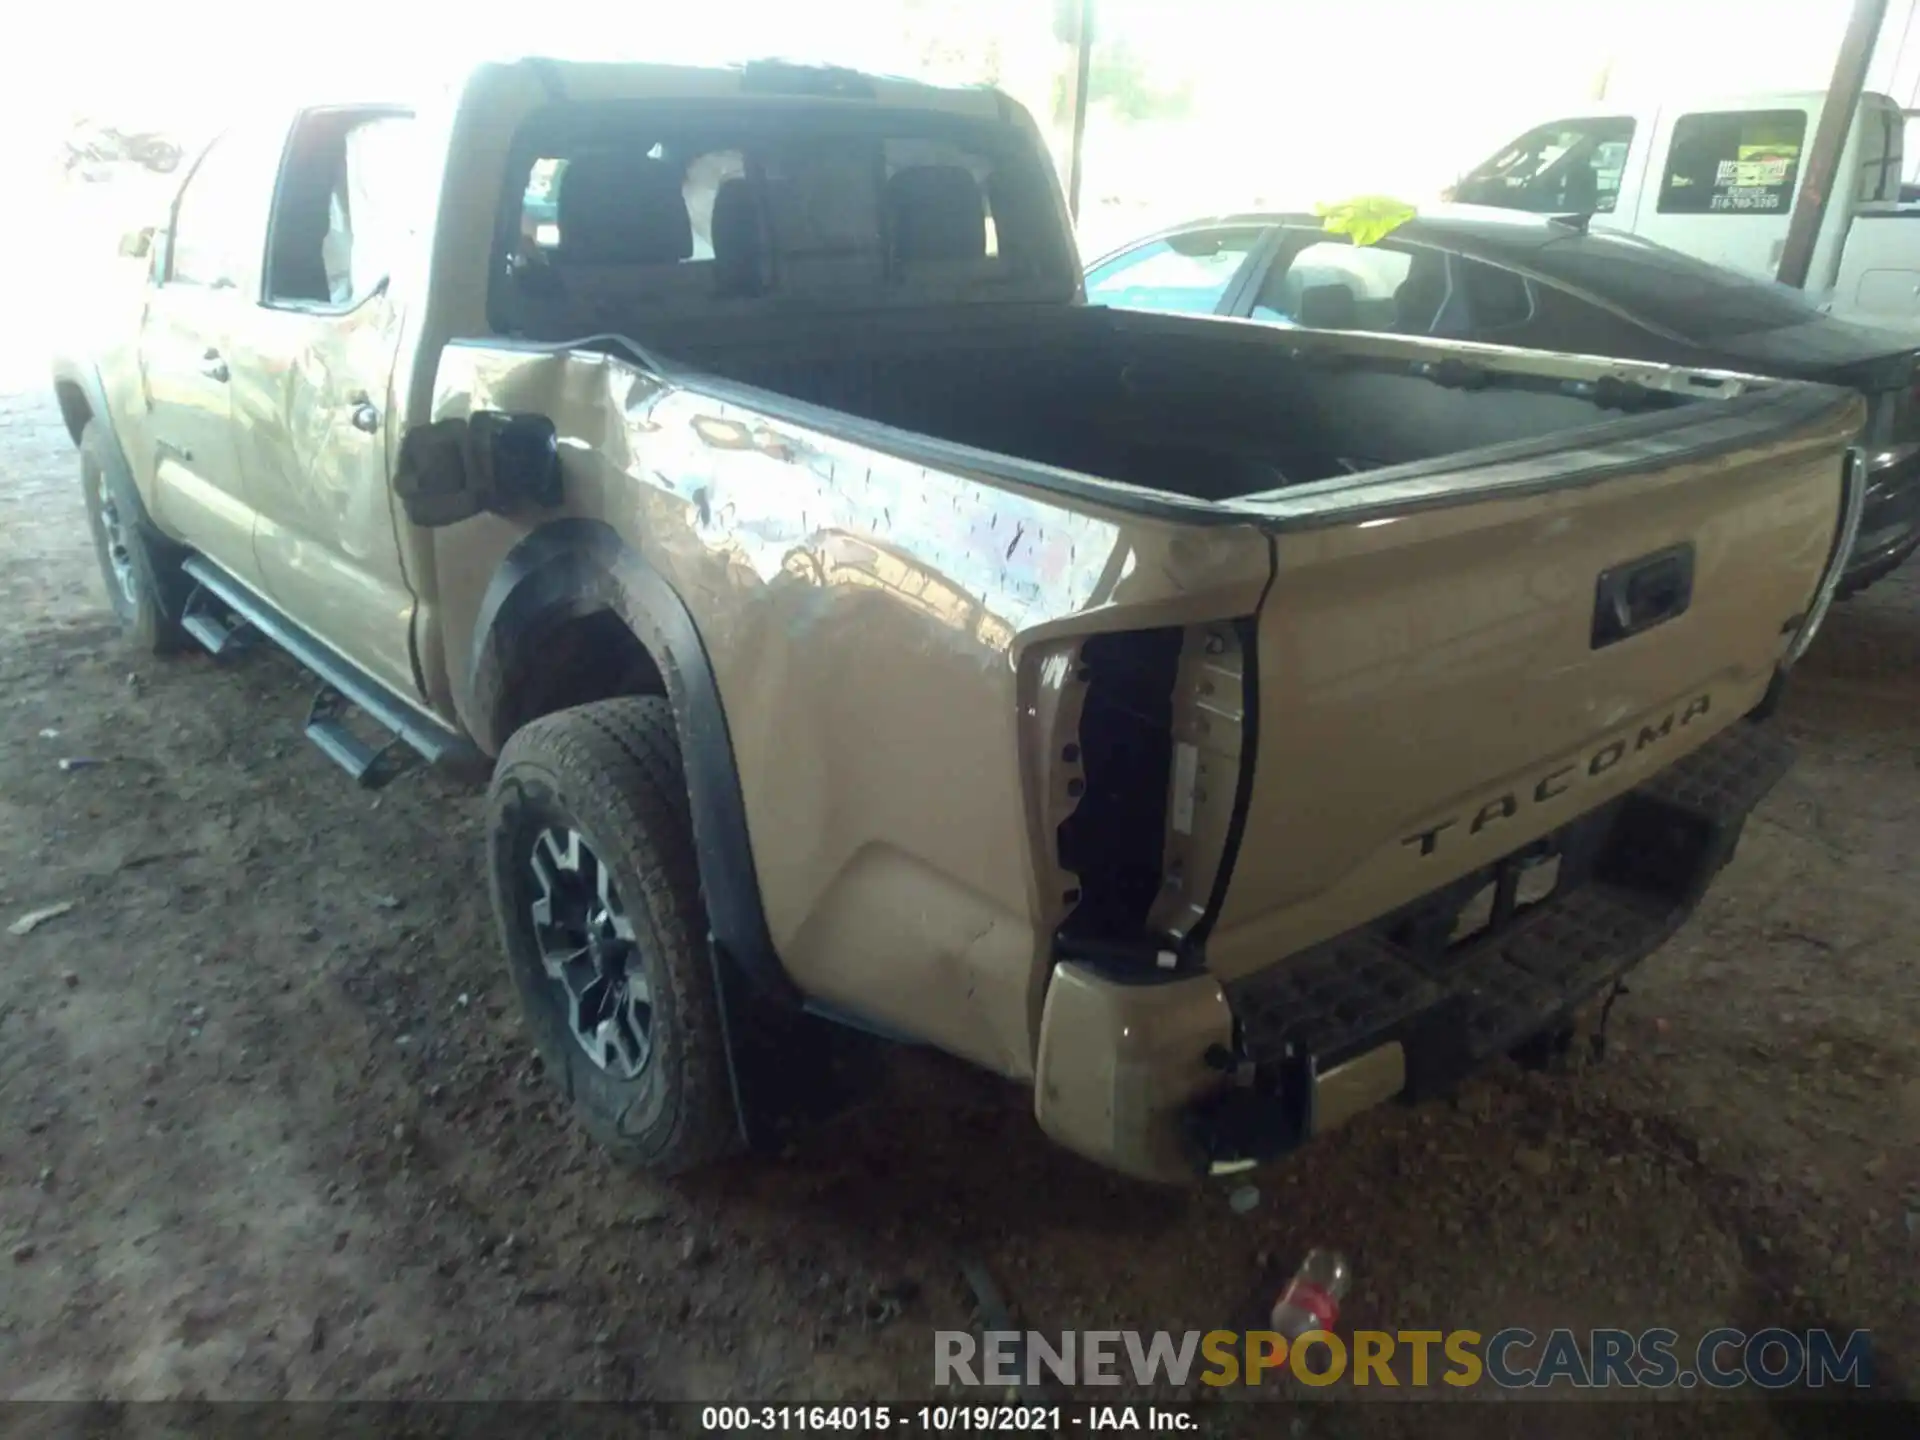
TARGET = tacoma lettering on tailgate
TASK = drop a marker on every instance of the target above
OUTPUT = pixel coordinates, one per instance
(1559, 780)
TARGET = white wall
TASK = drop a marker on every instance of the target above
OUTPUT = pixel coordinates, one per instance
(1729, 46)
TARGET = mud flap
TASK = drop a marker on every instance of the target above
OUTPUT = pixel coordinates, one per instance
(789, 1070)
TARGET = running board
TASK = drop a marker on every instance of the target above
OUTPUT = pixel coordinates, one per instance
(342, 684)
(219, 634)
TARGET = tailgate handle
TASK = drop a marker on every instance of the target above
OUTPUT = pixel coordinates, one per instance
(1642, 593)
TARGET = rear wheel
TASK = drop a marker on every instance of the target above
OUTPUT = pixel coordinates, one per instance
(139, 566)
(597, 896)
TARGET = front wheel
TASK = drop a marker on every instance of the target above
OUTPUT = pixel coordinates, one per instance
(597, 896)
(139, 566)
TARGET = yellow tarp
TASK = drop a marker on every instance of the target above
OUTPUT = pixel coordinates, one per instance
(1366, 219)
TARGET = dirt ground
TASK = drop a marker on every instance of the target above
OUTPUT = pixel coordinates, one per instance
(272, 1127)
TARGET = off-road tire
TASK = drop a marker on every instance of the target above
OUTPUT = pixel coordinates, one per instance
(139, 567)
(611, 772)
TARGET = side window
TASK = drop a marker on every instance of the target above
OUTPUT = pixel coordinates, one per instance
(1735, 162)
(343, 209)
(1608, 162)
(1568, 167)
(1337, 285)
(216, 220)
(1183, 274)
(1498, 299)
(1881, 158)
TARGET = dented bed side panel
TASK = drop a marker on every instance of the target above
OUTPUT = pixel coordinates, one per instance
(898, 653)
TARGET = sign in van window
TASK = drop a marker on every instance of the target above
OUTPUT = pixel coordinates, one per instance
(1734, 162)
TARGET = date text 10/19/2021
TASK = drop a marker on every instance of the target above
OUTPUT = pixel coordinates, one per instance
(945, 1419)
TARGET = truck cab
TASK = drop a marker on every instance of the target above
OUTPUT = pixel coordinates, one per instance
(1718, 179)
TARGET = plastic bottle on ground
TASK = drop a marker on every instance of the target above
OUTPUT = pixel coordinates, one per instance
(1312, 1298)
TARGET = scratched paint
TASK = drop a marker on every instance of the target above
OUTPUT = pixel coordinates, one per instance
(979, 557)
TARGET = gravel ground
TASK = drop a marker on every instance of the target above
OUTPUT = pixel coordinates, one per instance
(274, 1130)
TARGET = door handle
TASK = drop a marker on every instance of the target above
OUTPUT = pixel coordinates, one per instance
(366, 416)
(213, 367)
(1641, 594)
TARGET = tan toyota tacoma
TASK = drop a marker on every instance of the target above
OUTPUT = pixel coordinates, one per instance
(1219, 729)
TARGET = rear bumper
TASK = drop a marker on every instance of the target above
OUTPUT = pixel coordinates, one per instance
(1170, 1080)
(1889, 517)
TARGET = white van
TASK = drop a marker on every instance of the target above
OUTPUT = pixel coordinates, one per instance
(1718, 180)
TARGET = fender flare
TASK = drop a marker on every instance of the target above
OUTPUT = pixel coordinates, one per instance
(86, 379)
(577, 567)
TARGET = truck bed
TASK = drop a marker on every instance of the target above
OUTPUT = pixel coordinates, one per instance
(1206, 409)
(1506, 587)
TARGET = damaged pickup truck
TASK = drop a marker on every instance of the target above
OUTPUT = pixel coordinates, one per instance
(1219, 729)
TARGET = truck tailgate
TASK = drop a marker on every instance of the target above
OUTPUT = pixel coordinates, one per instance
(1443, 677)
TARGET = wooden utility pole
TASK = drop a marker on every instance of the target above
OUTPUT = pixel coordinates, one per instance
(1076, 17)
(1821, 160)
(1602, 78)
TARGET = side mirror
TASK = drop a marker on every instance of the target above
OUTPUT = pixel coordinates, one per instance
(136, 243)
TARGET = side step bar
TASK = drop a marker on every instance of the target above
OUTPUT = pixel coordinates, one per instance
(217, 632)
(371, 766)
(342, 682)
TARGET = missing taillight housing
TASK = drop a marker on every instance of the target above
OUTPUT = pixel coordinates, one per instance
(1115, 838)
(1160, 765)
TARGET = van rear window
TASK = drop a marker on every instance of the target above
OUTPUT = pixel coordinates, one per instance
(1734, 162)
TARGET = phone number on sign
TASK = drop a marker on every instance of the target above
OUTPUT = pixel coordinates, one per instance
(1044, 1419)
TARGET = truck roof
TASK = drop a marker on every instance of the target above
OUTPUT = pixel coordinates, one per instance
(567, 79)
(616, 80)
(1633, 104)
